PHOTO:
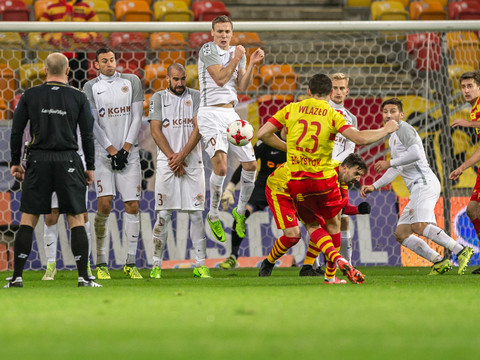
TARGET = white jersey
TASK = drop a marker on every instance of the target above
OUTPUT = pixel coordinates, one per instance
(212, 94)
(417, 172)
(342, 146)
(111, 98)
(176, 114)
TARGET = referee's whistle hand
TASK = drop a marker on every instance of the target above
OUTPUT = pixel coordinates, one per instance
(17, 171)
(89, 177)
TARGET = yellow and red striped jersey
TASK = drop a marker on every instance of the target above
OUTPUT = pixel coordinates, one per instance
(311, 129)
(69, 11)
(475, 115)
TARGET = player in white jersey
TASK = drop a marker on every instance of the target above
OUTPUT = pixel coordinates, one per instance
(221, 69)
(180, 179)
(117, 106)
(408, 159)
(341, 149)
(50, 230)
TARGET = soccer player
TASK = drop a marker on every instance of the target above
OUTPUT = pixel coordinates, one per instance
(307, 185)
(180, 179)
(470, 84)
(270, 159)
(117, 107)
(221, 69)
(54, 110)
(342, 148)
(408, 159)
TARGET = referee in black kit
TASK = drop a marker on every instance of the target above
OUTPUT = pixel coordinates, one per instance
(54, 110)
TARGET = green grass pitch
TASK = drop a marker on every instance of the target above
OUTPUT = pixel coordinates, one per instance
(400, 313)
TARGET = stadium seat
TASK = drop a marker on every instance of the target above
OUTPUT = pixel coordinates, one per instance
(40, 7)
(172, 11)
(425, 49)
(427, 10)
(250, 40)
(170, 47)
(133, 10)
(155, 76)
(130, 48)
(129, 68)
(31, 75)
(102, 9)
(279, 77)
(359, 3)
(197, 39)
(146, 103)
(464, 10)
(14, 10)
(192, 76)
(208, 10)
(11, 45)
(464, 47)
(7, 83)
(37, 43)
(388, 10)
(3, 109)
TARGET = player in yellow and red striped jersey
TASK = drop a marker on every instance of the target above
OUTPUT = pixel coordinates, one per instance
(308, 177)
(470, 84)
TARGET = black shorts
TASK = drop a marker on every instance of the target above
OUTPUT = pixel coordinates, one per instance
(258, 200)
(49, 171)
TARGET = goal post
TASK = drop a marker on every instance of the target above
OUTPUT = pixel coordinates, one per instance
(417, 61)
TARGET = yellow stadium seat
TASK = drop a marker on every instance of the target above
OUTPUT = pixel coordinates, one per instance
(192, 76)
(155, 76)
(464, 47)
(37, 43)
(11, 45)
(359, 3)
(31, 75)
(7, 83)
(102, 9)
(427, 10)
(279, 77)
(388, 10)
(40, 7)
(29, 2)
(170, 47)
(172, 11)
(133, 10)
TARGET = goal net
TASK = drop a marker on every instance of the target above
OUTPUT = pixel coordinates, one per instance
(420, 67)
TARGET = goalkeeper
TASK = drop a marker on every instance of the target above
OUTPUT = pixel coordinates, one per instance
(270, 159)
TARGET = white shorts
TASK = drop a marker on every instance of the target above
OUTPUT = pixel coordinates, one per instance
(127, 181)
(213, 122)
(54, 204)
(421, 204)
(179, 193)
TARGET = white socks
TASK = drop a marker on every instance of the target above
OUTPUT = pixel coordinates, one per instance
(100, 225)
(420, 247)
(132, 230)
(439, 236)
(216, 185)
(197, 234)
(346, 245)
(50, 236)
(160, 233)
(247, 183)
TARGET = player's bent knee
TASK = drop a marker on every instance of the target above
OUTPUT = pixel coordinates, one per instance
(249, 166)
(293, 232)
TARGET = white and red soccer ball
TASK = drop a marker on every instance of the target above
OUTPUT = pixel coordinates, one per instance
(240, 132)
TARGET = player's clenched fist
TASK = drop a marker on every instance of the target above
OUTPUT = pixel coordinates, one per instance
(257, 56)
(391, 126)
(239, 51)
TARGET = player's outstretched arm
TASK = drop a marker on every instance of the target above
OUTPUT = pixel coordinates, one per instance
(472, 160)
(268, 136)
(366, 189)
(365, 137)
(465, 123)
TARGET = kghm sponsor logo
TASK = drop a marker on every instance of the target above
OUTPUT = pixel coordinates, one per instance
(118, 111)
(54, 111)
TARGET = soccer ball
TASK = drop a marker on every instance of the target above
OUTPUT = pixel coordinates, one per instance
(240, 132)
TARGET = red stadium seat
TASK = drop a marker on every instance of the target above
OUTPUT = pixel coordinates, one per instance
(14, 10)
(130, 47)
(425, 49)
(197, 39)
(464, 10)
(208, 10)
(427, 10)
(128, 68)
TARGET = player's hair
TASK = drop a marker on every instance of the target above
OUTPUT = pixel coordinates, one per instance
(176, 66)
(475, 75)
(56, 63)
(103, 50)
(353, 160)
(221, 19)
(320, 85)
(393, 101)
(339, 76)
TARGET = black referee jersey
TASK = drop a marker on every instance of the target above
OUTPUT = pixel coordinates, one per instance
(55, 110)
